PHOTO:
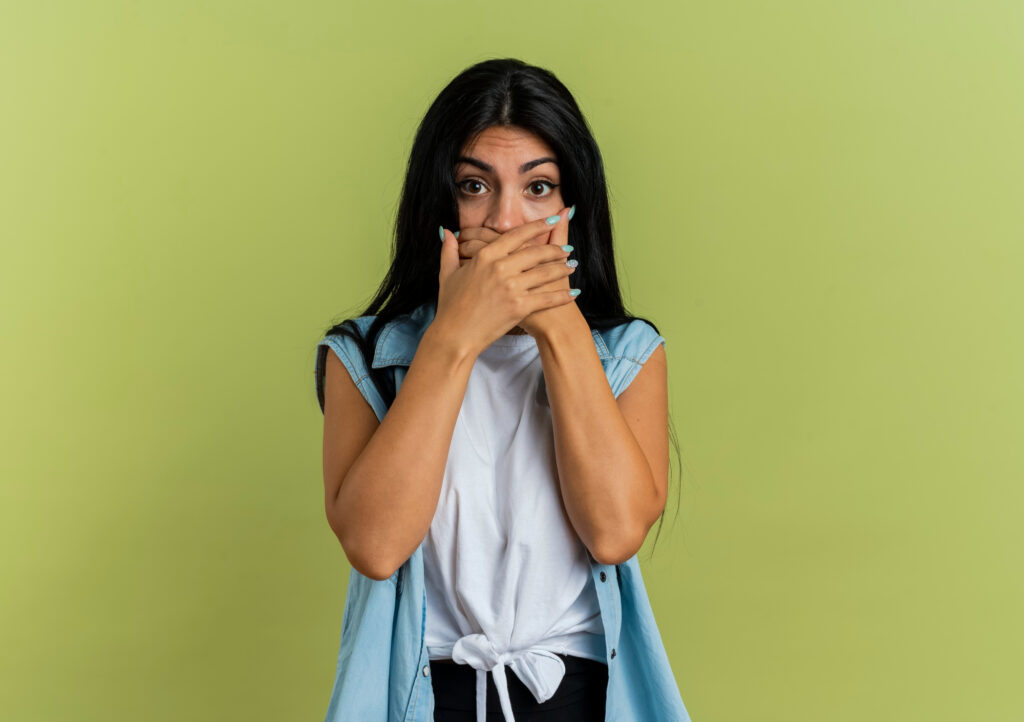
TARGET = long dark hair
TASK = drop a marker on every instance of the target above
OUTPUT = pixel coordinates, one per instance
(496, 92)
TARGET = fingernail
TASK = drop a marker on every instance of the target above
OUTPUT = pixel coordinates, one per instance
(572, 263)
(566, 248)
(440, 230)
(572, 211)
(575, 292)
(457, 233)
(552, 220)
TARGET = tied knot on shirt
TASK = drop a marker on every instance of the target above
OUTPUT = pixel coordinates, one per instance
(540, 670)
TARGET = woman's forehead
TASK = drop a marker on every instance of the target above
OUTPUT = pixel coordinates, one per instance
(511, 140)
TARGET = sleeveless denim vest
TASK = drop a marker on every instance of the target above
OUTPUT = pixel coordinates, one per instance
(383, 672)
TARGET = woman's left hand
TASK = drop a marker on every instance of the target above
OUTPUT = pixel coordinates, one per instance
(471, 240)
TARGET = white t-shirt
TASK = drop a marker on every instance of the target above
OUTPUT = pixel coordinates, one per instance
(508, 581)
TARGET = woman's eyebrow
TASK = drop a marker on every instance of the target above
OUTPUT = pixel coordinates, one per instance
(522, 169)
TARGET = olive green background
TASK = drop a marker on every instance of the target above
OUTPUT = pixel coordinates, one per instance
(819, 204)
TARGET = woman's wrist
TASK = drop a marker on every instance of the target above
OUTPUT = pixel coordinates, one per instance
(566, 324)
(448, 344)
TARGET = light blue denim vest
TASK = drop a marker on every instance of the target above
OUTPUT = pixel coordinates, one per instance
(383, 671)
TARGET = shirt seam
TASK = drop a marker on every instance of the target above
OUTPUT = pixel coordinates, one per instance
(336, 346)
(648, 350)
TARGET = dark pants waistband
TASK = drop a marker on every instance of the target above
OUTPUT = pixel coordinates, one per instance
(580, 696)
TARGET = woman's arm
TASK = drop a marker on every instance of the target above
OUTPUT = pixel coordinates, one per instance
(612, 454)
(382, 481)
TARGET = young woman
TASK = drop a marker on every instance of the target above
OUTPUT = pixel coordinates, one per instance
(496, 433)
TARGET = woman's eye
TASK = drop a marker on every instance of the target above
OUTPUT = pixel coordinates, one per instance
(470, 187)
(549, 184)
(464, 185)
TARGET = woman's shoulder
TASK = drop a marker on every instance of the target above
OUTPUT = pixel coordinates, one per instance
(414, 321)
(628, 345)
(393, 342)
(634, 340)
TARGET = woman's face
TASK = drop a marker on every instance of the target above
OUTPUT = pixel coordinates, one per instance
(505, 177)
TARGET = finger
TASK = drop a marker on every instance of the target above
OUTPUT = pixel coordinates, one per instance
(468, 249)
(480, 233)
(560, 234)
(534, 255)
(513, 239)
(548, 277)
(541, 240)
(538, 300)
(449, 254)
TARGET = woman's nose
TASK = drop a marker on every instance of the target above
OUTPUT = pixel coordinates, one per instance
(505, 214)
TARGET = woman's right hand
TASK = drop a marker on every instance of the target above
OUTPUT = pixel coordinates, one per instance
(482, 300)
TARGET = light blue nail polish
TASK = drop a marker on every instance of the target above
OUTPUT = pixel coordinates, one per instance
(440, 230)
(575, 292)
(457, 233)
(567, 248)
(572, 211)
(572, 263)
(552, 220)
